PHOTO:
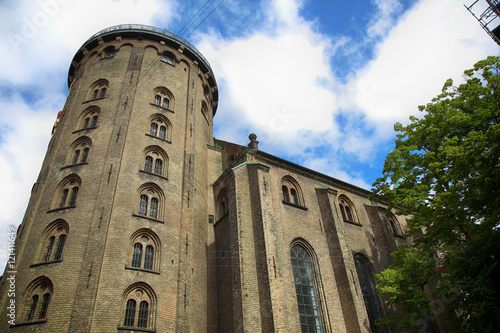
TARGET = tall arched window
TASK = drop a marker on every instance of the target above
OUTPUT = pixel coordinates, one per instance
(367, 284)
(88, 118)
(291, 192)
(305, 286)
(53, 241)
(163, 98)
(155, 161)
(395, 226)
(98, 89)
(347, 209)
(160, 127)
(37, 298)
(67, 192)
(140, 304)
(145, 252)
(79, 151)
(222, 208)
(151, 200)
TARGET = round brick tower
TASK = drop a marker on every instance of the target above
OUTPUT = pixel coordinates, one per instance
(115, 234)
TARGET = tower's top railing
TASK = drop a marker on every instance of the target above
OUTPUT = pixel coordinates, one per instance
(151, 29)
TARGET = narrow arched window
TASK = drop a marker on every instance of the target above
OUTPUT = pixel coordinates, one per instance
(143, 205)
(103, 93)
(76, 156)
(286, 196)
(158, 166)
(305, 287)
(44, 307)
(148, 257)
(367, 284)
(154, 129)
(130, 313)
(86, 122)
(137, 256)
(346, 209)
(148, 164)
(293, 196)
(166, 103)
(153, 211)
(34, 303)
(85, 155)
(96, 92)
(49, 248)
(157, 99)
(74, 194)
(64, 197)
(142, 320)
(60, 247)
(94, 121)
(163, 132)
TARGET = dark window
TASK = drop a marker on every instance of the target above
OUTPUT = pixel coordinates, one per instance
(96, 92)
(148, 164)
(293, 196)
(74, 193)
(286, 196)
(109, 53)
(158, 100)
(76, 156)
(44, 307)
(158, 166)
(136, 258)
(34, 303)
(94, 121)
(163, 132)
(103, 93)
(49, 248)
(346, 211)
(148, 257)
(85, 155)
(143, 205)
(153, 211)
(142, 320)
(305, 287)
(86, 122)
(129, 313)
(60, 247)
(367, 283)
(64, 198)
(166, 103)
(154, 129)
(168, 59)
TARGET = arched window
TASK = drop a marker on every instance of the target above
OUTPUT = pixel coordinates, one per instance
(307, 293)
(163, 98)
(89, 118)
(67, 192)
(79, 152)
(146, 247)
(395, 226)
(160, 127)
(168, 57)
(98, 88)
(204, 110)
(291, 192)
(37, 299)
(140, 304)
(54, 238)
(151, 200)
(347, 209)
(155, 161)
(222, 207)
(109, 52)
(367, 284)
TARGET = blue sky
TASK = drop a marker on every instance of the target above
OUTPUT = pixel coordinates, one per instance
(321, 83)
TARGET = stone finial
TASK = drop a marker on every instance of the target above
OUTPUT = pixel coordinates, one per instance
(254, 144)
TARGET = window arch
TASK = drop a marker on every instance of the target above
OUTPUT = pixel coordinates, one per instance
(347, 209)
(163, 97)
(139, 306)
(67, 192)
(222, 204)
(145, 250)
(291, 192)
(155, 161)
(168, 57)
(367, 283)
(37, 299)
(109, 52)
(89, 118)
(395, 226)
(79, 151)
(151, 200)
(160, 127)
(98, 89)
(308, 300)
(53, 241)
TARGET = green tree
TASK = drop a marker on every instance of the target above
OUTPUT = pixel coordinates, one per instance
(445, 172)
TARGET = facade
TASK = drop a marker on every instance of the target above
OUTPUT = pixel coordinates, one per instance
(141, 221)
